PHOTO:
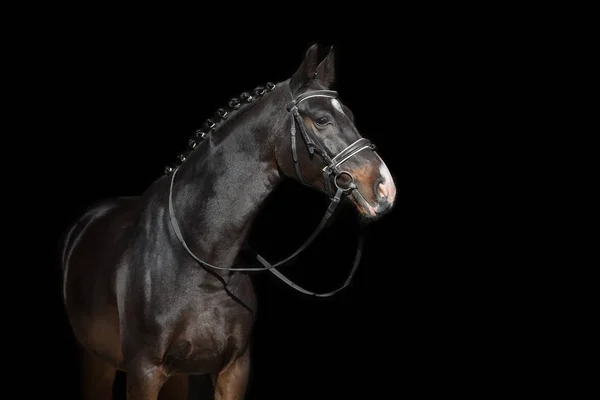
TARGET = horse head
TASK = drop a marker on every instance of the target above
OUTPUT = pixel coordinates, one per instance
(326, 150)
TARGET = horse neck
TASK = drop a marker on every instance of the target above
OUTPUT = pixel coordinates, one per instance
(220, 188)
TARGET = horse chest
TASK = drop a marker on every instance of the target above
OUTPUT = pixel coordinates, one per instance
(209, 341)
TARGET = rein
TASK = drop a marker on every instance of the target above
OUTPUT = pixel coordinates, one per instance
(332, 168)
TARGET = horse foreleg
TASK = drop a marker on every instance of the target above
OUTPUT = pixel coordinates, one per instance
(176, 388)
(231, 382)
(97, 377)
(144, 380)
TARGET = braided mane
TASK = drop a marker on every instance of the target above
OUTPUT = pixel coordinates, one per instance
(212, 123)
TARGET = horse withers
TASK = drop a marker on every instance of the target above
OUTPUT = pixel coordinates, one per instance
(150, 283)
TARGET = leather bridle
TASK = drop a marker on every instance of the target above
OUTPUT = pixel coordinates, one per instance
(314, 145)
(331, 169)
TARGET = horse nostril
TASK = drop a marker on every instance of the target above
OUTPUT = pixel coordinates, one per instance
(380, 190)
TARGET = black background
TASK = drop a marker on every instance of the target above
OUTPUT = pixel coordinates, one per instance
(433, 307)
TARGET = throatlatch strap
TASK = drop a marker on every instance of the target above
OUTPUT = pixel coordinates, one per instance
(295, 153)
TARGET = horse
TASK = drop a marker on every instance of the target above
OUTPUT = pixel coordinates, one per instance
(150, 284)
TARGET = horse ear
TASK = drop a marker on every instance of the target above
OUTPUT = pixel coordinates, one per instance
(306, 71)
(326, 69)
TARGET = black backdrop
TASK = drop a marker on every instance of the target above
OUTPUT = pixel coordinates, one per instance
(112, 107)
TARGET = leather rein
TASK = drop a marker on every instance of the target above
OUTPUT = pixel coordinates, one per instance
(331, 169)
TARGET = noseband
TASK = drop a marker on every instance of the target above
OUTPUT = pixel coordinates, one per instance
(331, 169)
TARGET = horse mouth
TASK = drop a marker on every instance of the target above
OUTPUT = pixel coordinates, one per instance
(363, 205)
(367, 210)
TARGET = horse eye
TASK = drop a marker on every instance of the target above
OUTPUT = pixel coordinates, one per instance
(322, 120)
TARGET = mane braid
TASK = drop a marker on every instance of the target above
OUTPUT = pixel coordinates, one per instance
(213, 123)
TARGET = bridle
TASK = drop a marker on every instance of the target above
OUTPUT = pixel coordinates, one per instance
(314, 145)
(331, 169)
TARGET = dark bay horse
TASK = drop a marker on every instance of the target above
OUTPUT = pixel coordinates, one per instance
(151, 284)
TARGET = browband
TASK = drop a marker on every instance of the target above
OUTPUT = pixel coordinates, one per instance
(315, 93)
